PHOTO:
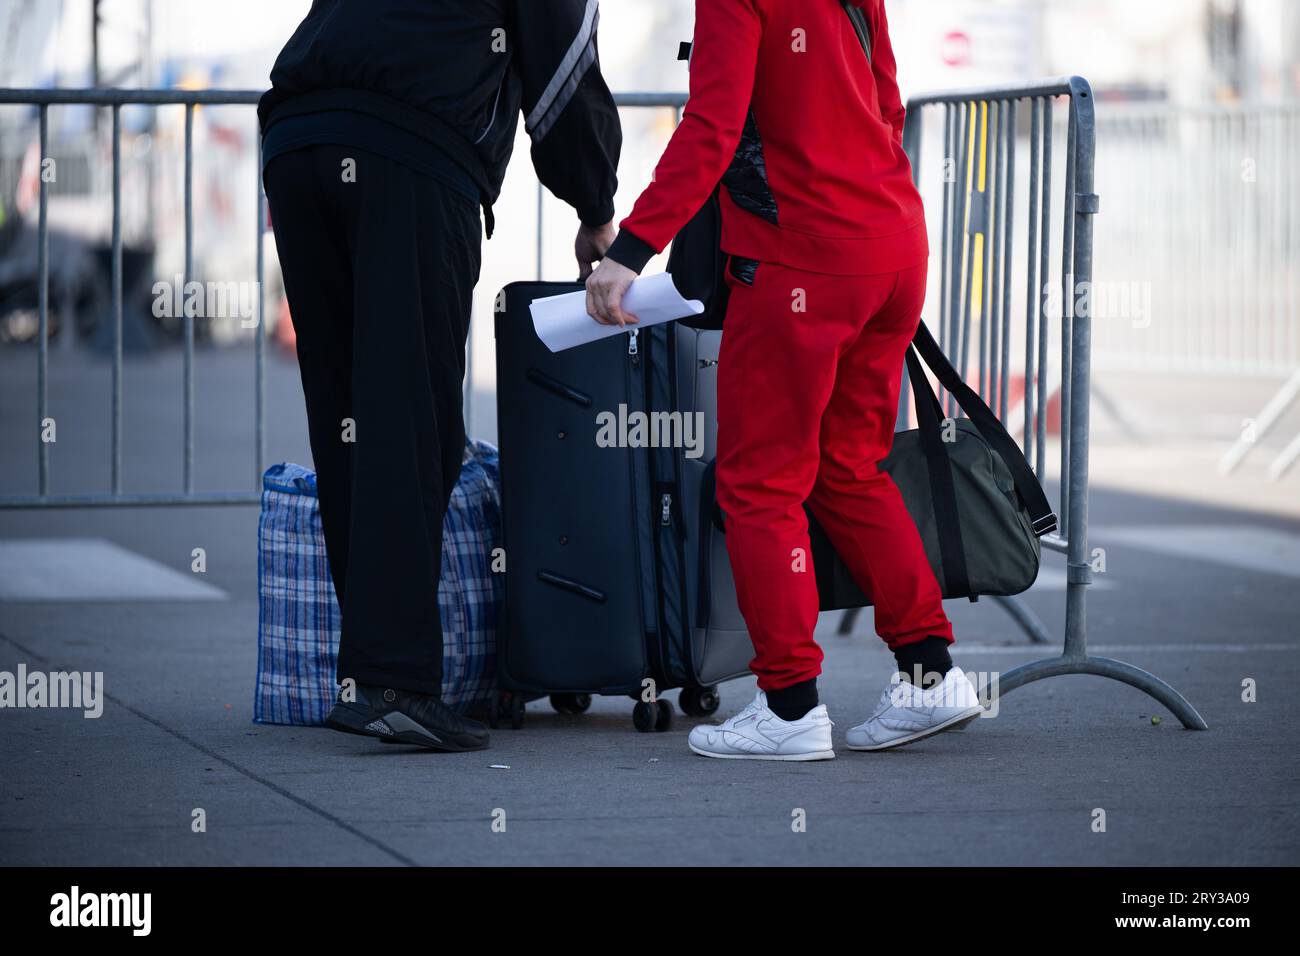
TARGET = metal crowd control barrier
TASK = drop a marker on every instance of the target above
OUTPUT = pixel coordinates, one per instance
(115, 99)
(1212, 229)
(1212, 225)
(976, 297)
(986, 277)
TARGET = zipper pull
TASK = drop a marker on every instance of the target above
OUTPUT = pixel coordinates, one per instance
(666, 514)
(631, 343)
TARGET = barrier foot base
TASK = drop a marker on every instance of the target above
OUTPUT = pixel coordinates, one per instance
(1034, 628)
(1144, 681)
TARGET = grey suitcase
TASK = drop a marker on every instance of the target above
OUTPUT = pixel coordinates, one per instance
(615, 573)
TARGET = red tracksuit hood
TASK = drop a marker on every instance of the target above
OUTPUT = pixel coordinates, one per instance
(830, 125)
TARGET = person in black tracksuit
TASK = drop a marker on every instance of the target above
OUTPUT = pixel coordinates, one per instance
(388, 126)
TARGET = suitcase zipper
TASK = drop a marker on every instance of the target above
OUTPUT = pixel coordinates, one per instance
(638, 379)
(666, 510)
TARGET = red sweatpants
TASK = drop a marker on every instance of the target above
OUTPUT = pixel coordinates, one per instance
(808, 383)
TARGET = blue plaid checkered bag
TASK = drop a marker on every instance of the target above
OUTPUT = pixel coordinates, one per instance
(298, 621)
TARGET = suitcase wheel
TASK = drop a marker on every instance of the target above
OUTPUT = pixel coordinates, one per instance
(506, 705)
(699, 701)
(657, 716)
(570, 704)
(664, 717)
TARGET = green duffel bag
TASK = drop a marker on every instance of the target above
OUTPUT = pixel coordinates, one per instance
(975, 500)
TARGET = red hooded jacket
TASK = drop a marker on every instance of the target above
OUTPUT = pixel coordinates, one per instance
(820, 181)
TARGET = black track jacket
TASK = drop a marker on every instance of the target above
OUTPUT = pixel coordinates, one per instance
(457, 73)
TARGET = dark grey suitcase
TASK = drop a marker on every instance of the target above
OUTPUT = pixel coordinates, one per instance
(615, 574)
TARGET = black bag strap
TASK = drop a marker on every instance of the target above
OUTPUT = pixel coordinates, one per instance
(943, 491)
(1027, 485)
(860, 26)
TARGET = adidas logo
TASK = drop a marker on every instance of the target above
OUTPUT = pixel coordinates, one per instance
(379, 727)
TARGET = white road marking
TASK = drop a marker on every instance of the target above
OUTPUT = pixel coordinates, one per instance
(91, 569)
(1250, 547)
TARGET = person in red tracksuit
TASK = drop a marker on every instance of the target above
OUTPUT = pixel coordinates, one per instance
(828, 259)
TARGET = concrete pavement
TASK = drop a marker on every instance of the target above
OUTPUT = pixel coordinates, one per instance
(176, 734)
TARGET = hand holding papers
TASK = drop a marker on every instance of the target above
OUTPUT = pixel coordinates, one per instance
(562, 321)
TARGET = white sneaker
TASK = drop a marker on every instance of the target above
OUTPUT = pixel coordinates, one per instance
(907, 713)
(758, 734)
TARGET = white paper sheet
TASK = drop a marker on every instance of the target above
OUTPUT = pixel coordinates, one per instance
(562, 321)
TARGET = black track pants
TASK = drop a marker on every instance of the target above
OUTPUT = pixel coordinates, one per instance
(379, 273)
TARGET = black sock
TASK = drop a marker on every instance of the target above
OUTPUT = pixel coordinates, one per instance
(919, 663)
(793, 702)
